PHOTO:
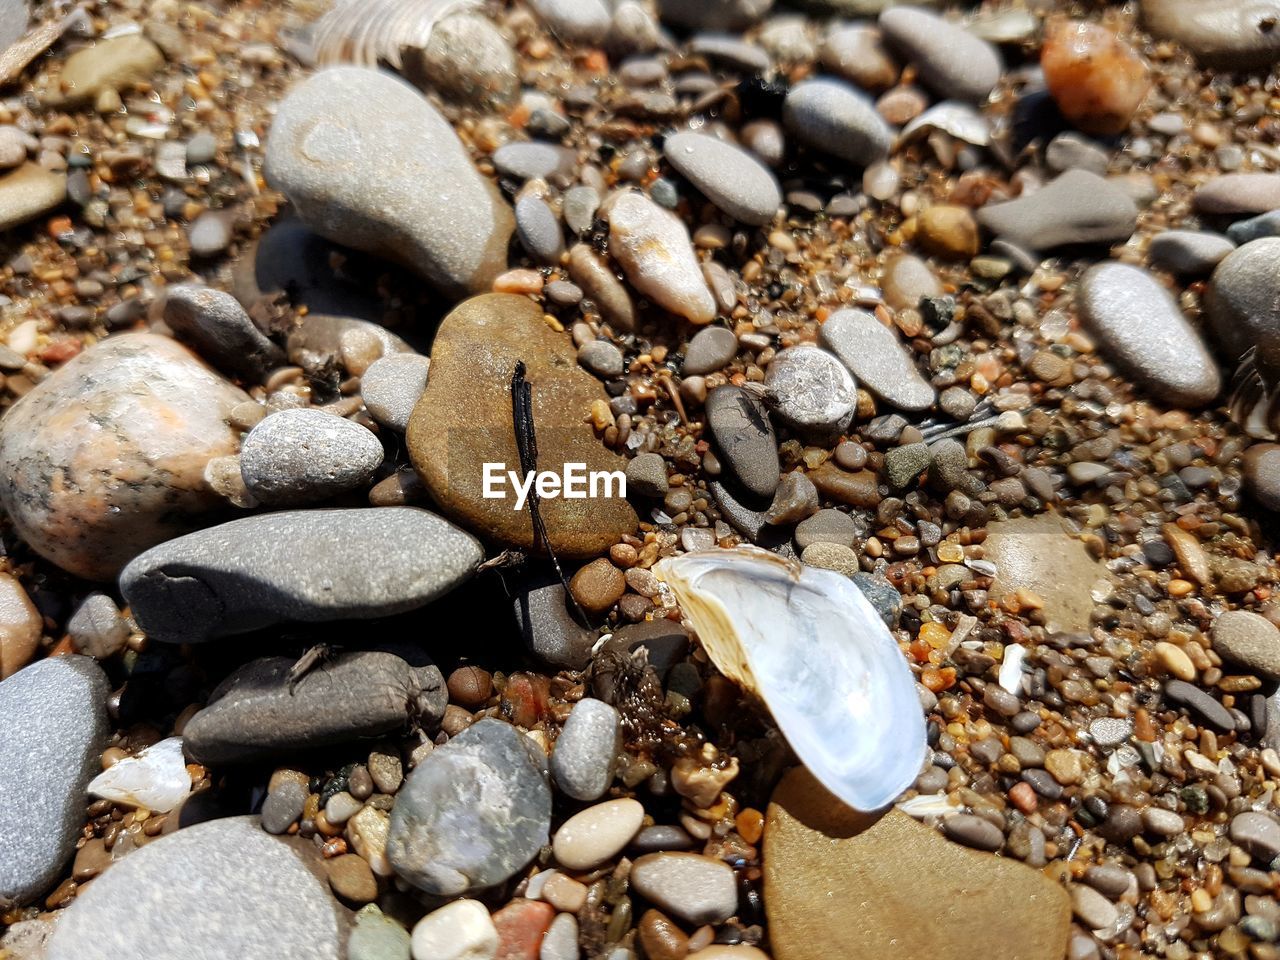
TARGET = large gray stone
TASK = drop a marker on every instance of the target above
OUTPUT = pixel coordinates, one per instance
(53, 714)
(472, 813)
(1143, 330)
(1241, 302)
(1238, 34)
(834, 116)
(310, 565)
(584, 756)
(876, 358)
(215, 890)
(952, 62)
(1077, 207)
(368, 162)
(254, 714)
(304, 455)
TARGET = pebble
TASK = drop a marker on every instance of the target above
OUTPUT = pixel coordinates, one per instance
(214, 324)
(876, 358)
(1262, 474)
(210, 233)
(1076, 207)
(587, 750)
(1162, 823)
(903, 464)
(283, 807)
(464, 421)
(855, 52)
(320, 340)
(549, 629)
(827, 526)
(1096, 78)
(1202, 706)
(597, 834)
(690, 886)
(1240, 302)
(28, 192)
(1036, 554)
(1175, 661)
(835, 887)
(338, 150)
(1258, 833)
(575, 21)
(1188, 252)
(812, 391)
(949, 231)
(561, 940)
(392, 387)
(602, 287)
(13, 147)
(579, 208)
(1232, 33)
(647, 476)
(907, 280)
(1249, 640)
(709, 350)
(653, 248)
(744, 434)
(951, 61)
(1142, 328)
(973, 831)
(375, 936)
(532, 160)
(20, 626)
(445, 838)
(467, 59)
(1239, 193)
(795, 499)
(837, 118)
(54, 717)
(539, 230)
(1091, 908)
(116, 63)
(309, 565)
(77, 452)
(156, 902)
(1071, 151)
(307, 455)
(255, 714)
(602, 358)
(713, 14)
(155, 778)
(731, 178)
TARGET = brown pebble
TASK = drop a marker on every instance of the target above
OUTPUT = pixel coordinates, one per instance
(20, 626)
(91, 860)
(351, 878)
(470, 686)
(662, 939)
(598, 586)
(1097, 79)
(947, 230)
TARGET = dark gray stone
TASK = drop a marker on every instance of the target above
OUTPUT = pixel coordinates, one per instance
(548, 627)
(53, 714)
(214, 324)
(472, 813)
(666, 643)
(254, 715)
(740, 424)
(1202, 706)
(311, 565)
(1188, 252)
(283, 806)
(882, 595)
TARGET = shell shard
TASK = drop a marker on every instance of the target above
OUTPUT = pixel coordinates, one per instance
(367, 32)
(815, 651)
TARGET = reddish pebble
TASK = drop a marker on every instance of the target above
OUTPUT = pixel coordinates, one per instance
(524, 701)
(521, 926)
(60, 351)
(1023, 797)
(1096, 78)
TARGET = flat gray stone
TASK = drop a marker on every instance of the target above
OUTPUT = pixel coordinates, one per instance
(255, 715)
(740, 425)
(876, 358)
(354, 148)
(710, 349)
(813, 392)
(1250, 640)
(533, 160)
(1203, 707)
(1257, 833)
(549, 629)
(309, 565)
(587, 750)
(1241, 303)
(602, 358)
(1143, 330)
(215, 890)
(54, 718)
(214, 324)
(1238, 34)
(1255, 228)
(731, 52)
(731, 178)
(951, 61)
(837, 118)
(1077, 207)
(472, 813)
(695, 888)
(828, 526)
(1188, 252)
(392, 387)
(1239, 193)
(305, 455)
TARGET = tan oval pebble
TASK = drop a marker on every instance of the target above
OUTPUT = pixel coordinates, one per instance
(653, 248)
(1175, 661)
(694, 888)
(599, 832)
(740, 951)
(20, 626)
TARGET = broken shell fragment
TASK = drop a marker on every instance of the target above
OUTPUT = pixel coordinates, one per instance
(807, 643)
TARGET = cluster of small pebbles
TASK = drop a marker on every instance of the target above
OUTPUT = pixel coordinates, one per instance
(971, 303)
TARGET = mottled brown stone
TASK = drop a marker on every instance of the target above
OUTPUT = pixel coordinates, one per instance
(106, 456)
(1037, 554)
(464, 421)
(839, 883)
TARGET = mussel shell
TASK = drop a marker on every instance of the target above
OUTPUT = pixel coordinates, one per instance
(814, 650)
(369, 32)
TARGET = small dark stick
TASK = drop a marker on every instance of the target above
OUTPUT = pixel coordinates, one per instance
(527, 445)
(309, 660)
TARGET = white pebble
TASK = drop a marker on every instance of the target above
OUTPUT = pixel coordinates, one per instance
(653, 248)
(462, 930)
(156, 778)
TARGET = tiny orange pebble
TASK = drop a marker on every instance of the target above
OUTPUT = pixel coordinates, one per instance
(750, 824)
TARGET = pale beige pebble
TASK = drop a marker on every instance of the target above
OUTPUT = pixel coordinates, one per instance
(1066, 766)
(736, 951)
(1191, 556)
(1175, 661)
(695, 888)
(602, 287)
(1270, 761)
(113, 64)
(20, 627)
(564, 893)
(700, 782)
(29, 191)
(367, 833)
(655, 252)
(594, 835)
(461, 930)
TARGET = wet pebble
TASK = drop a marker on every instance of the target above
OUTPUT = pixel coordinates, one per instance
(973, 831)
(653, 247)
(692, 887)
(602, 358)
(597, 834)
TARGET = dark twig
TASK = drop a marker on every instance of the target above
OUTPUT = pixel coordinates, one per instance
(527, 445)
